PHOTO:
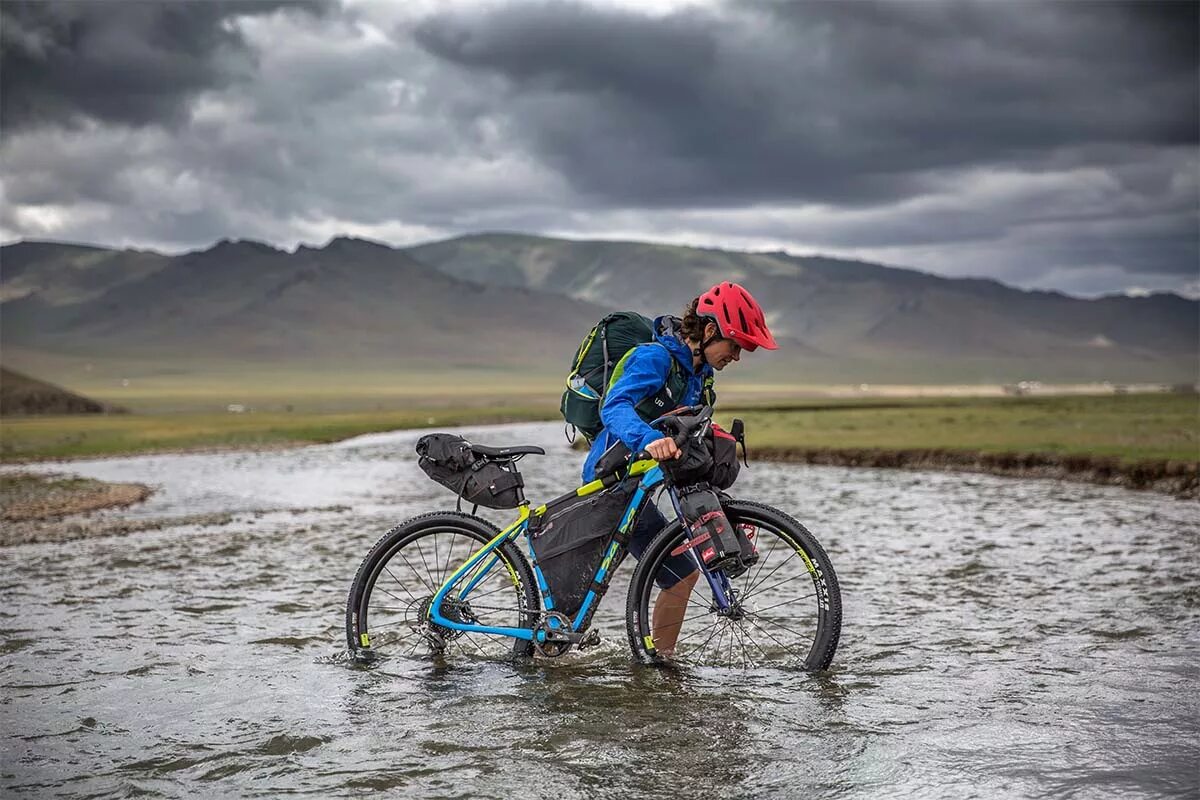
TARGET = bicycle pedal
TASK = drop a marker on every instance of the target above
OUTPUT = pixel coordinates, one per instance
(590, 639)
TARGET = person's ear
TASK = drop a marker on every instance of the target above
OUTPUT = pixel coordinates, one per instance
(710, 330)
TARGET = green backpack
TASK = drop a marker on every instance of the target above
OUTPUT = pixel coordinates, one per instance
(605, 345)
(599, 360)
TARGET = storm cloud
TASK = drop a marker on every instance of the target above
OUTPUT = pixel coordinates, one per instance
(1051, 145)
(133, 61)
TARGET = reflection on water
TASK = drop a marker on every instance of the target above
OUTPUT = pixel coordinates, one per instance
(1002, 639)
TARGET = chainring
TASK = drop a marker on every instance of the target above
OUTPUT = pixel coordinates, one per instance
(550, 648)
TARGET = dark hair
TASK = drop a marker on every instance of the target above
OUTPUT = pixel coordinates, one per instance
(693, 324)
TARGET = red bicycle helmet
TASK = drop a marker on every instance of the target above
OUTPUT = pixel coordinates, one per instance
(737, 315)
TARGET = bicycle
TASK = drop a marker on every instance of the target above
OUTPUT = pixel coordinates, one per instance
(496, 601)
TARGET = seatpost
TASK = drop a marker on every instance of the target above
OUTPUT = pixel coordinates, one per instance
(521, 501)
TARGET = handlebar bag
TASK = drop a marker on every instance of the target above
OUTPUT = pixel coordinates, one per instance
(709, 456)
(695, 463)
(570, 539)
(450, 461)
(723, 447)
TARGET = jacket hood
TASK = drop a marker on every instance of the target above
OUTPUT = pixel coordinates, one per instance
(668, 331)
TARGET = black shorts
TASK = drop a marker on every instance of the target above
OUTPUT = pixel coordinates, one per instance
(650, 522)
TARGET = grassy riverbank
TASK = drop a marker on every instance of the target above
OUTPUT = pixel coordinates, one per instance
(1149, 441)
(1126, 427)
(1108, 437)
(48, 438)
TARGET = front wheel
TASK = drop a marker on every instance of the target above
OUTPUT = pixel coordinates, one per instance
(387, 612)
(786, 611)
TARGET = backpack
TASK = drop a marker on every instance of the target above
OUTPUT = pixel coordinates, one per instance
(600, 359)
(605, 345)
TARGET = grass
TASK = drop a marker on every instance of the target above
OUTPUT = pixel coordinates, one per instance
(33, 438)
(1128, 427)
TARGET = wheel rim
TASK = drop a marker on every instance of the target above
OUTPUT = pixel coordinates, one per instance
(393, 612)
(776, 620)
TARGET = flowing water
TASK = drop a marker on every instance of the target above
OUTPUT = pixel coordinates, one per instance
(1002, 638)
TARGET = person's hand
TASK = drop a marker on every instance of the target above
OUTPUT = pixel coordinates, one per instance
(663, 449)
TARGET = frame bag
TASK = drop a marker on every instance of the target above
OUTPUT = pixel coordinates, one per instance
(450, 461)
(569, 542)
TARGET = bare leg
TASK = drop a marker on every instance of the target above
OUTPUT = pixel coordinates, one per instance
(668, 614)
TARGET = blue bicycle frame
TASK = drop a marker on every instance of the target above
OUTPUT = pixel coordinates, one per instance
(471, 573)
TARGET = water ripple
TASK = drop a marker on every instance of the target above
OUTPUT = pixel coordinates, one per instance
(1002, 638)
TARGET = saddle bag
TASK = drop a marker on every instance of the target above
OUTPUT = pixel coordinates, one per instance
(717, 543)
(569, 541)
(450, 461)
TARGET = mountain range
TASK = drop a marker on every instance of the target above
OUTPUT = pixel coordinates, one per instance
(511, 302)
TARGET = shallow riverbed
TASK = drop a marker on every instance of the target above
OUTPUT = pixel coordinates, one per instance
(1002, 638)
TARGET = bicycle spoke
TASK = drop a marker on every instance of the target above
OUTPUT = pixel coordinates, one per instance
(741, 645)
(396, 596)
(776, 586)
(401, 584)
(702, 647)
(690, 635)
(722, 630)
(421, 553)
(772, 572)
(679, 578)
(436, 559)
(424, 583)
(756, 644)
(375, 628)
(779, 625)
(449, 553)
(720, 641)
(768, 634)
(747, 654)
(781, 603)
(763, 563)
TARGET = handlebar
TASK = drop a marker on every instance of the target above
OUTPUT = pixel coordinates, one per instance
(685, 420)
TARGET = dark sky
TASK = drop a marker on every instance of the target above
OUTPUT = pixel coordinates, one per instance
(1050, 145)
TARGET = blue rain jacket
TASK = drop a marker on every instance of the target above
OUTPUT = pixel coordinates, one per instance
(645, 373)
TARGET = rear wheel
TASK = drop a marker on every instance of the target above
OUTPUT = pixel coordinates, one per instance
(786, 611)
(387, 612)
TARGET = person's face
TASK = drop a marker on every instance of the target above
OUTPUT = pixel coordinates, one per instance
(721, 352)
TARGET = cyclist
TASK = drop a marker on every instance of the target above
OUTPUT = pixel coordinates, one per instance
(673, 371)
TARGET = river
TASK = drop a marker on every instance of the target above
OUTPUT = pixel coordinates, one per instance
(1002, 638)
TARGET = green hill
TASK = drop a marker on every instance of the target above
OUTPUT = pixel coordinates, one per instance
(21, 395)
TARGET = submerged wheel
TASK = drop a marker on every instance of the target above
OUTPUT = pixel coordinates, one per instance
(387, 612)
(787, 609)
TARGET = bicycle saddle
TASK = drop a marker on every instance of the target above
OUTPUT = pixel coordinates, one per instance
(507, 452)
